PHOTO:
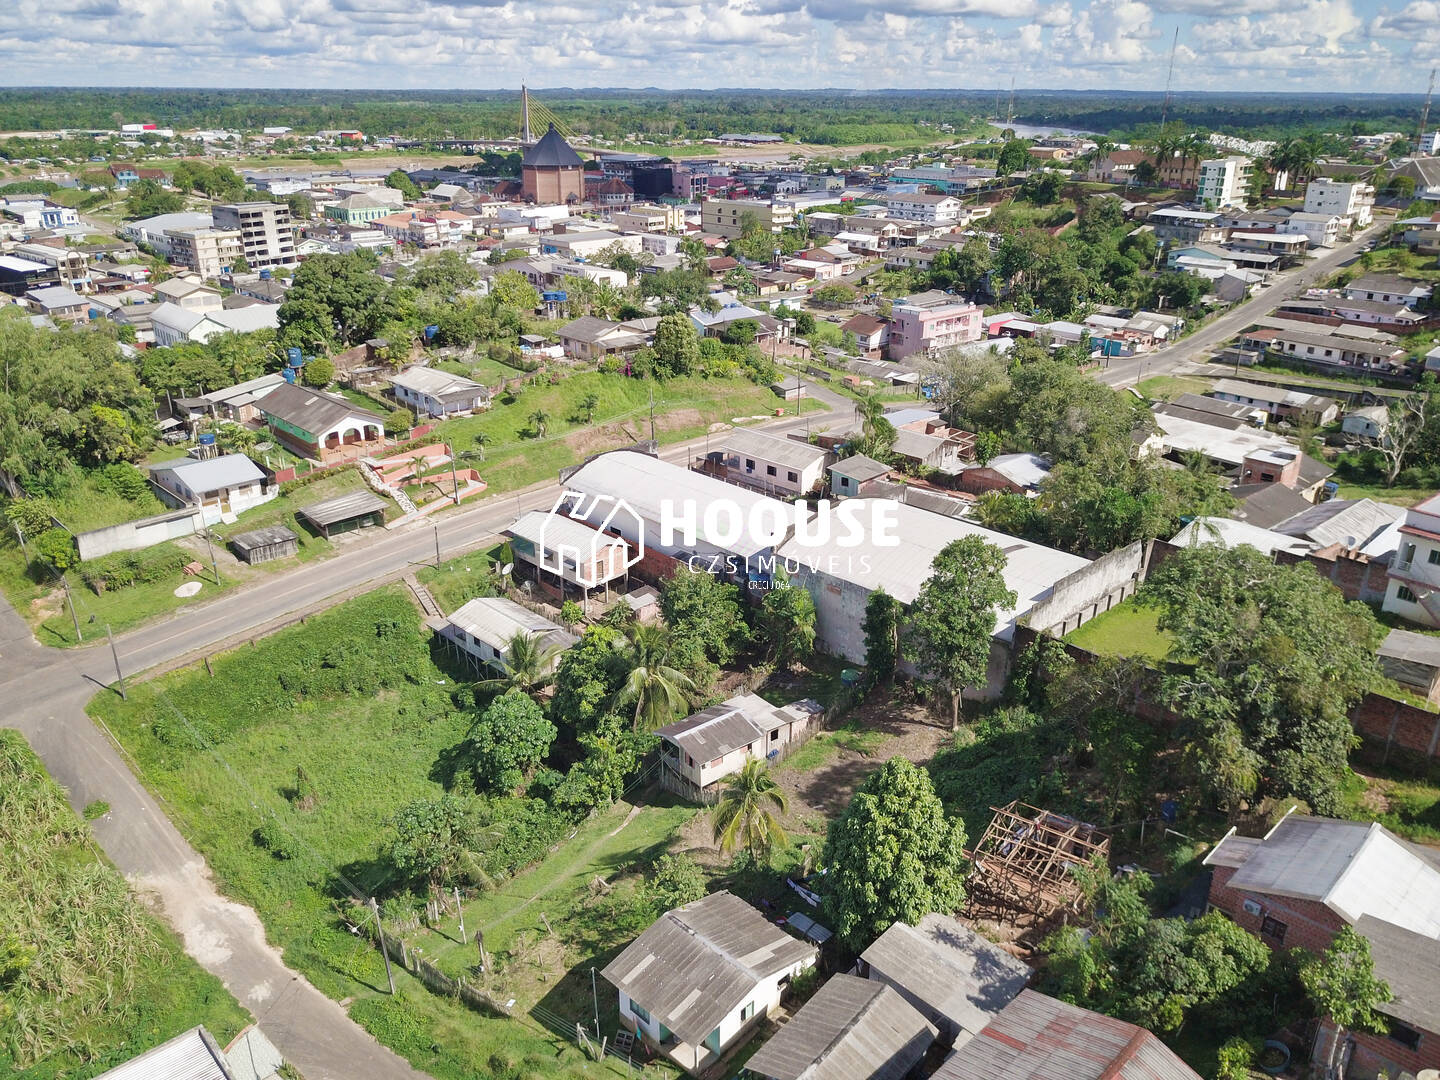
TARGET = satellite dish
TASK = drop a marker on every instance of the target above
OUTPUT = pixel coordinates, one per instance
(506, 569)
(1350, 542)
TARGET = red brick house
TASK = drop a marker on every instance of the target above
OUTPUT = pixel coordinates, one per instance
(1309, 877)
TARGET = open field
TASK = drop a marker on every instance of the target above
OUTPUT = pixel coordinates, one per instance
(1169, 387)
(1125, 630)
(105, 980)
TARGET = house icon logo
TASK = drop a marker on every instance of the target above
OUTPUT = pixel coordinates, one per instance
(574, 540)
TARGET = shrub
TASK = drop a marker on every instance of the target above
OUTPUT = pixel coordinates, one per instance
(127, 568)
(122, 479)
(96, 810)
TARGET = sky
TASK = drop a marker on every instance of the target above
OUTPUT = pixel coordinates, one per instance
(1274, 45)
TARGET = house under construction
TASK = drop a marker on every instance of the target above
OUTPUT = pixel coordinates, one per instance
(1023, 865)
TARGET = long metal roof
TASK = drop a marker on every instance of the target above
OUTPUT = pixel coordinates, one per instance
(495, 620)
(342, 508)
(696, 964)
(947, 971)
(212, 474)
(716, 731)
(191, 1055)
(852, 1029)
(1037, 1037)
(789, 452)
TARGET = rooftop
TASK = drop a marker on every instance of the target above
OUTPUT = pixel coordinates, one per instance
(739, 721)
(782, 451)
(496, 619)
(860, 468)
(342, 508)
(436, 383)
(312, 410)
(212, 474)
(696, 964)
(852, 1028)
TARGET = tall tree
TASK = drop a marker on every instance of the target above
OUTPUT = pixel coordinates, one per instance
(1270, 659)
(882, 636)
(507, 740)
(704, 615)
(747, 814)
(893, 855)
(951, 626)
(787, 621)
(677, 346)
(526, 666)
(657, 690)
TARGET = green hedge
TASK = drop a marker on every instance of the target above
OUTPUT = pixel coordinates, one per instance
(127, 568)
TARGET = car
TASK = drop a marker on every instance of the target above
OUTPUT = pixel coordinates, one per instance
(174, 438)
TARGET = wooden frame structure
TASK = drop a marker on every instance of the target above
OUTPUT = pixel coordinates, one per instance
(1022, 864)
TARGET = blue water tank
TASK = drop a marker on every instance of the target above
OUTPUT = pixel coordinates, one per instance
(265, 275)
(431, 331)
(557, 297)
(207, 439)
(295, 358)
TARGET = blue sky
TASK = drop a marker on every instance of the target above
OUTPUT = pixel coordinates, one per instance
(1330, 45)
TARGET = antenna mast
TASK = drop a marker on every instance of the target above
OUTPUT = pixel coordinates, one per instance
(525, 135)
(1165, 108)
(1425, 112)
(1010, 112)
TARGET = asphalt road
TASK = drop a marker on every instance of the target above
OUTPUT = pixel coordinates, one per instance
(1197, 347)
(44, 692)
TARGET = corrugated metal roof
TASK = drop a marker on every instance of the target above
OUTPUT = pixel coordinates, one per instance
(1412, 647)
(1409, 962)
(192, 1055)
(1030, 569)
(1351, 523)
(696, 964)
(1039, 1038)
(736, 722)
(312, 410)
(496, 619)
(789, 452)
(956, 978)
(437, 383)
(852, 1029)
(342, 508)
(262, 537)
(860, 468)
(560, 532)
(212, 474)
(1352, 868)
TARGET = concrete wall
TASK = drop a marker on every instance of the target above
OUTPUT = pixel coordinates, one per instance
(134, 535)
(1079, 597)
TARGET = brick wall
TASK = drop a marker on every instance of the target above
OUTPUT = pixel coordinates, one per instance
(1390, 725)
(1308, 925)
(1375, 1053)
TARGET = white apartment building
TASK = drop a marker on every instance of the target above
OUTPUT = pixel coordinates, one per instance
(208, 252)
(1412, 590)
(1429, 144)
(923, 207)
(1321, 229)
(1225, 181)
(1349, 199)
(267, 236)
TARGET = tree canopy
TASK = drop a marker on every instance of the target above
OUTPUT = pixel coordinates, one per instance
(893, 855)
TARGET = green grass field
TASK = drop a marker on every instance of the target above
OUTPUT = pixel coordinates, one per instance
(366, 751)
(1400, 496)
(105, 980)
(1169, 387)
(516, 456)
(1125, 630)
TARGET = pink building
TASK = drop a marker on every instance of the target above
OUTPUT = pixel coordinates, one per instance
(930, 322)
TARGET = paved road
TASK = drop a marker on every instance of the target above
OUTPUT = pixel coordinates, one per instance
(45, 691)
(1198, 346)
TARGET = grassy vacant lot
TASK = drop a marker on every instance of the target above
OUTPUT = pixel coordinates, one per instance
(1400, 496)
(1125, 630)
(1404, 803)
(516, 455)
(354, 700)
(1169, 387)
(98, 979)
(457, 580)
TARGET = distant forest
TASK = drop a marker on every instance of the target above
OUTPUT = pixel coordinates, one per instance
(831, 117)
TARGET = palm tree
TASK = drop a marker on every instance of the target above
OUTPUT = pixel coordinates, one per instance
(658, 690)
(870, 409)
(539, 418)
(525, 666)
(589, 403)
(747, 813)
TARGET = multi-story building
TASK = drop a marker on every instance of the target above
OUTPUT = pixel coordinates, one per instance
(923, 207)
(647, 218)
(1413, 589)
(358, 209)
(1429, 144)
(930, 322)
(208, 252)
(1349, 199)
(71, 264)
(1225, 181)
(267, 236)
(727, 217)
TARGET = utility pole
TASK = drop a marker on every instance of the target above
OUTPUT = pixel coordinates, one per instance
(454, 484)
(1010, 112)
(595, 996)
(652, 413)
(79, 637)
(119, 675)
(211, 548)
(436, 526)
(461, 912)
(380, 934)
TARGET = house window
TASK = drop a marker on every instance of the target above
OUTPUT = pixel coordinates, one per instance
(750, 464)
(640, 1014)
(1434, 557)
(716, 763)
(1273, 929)
(791, 477)
(749, 1010)
(1405, 1035)
(770, 470)
(844, 481)
(1403, 592)
(775, 735)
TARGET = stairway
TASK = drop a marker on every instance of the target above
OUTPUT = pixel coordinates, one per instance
(422, 596)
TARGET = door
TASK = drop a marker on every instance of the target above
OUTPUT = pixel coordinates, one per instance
(712, 1041)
